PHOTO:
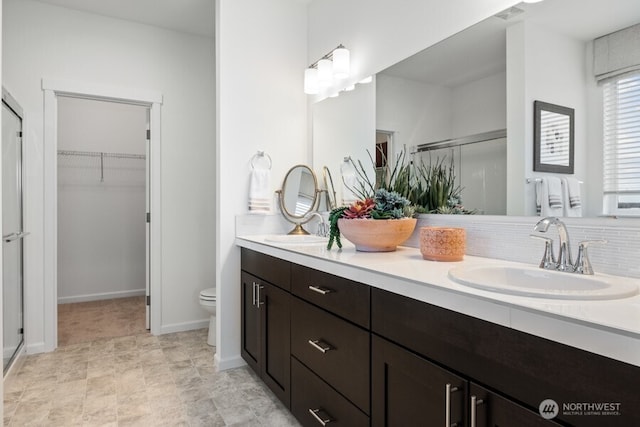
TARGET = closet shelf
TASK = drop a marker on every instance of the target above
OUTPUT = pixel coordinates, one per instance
(101, 154)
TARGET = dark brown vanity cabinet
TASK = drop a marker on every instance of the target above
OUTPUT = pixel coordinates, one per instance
(342, 353)
(523, 370)
(488, 409)
(407, 390)
(266, 322)
(330, 348)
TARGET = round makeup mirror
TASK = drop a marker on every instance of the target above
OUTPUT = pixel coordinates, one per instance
(298, 196)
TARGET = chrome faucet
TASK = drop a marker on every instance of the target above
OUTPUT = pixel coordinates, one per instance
(323, 227)
(564, 261)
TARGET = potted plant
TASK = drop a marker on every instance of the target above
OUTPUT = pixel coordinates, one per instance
(373, 224)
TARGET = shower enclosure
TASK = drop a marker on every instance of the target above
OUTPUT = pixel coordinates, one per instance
(12, 230)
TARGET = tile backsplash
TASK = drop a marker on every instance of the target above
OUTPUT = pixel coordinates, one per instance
(507, 237)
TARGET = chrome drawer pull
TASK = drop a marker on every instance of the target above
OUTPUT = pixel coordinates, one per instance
(447, 405)
(253, 301)
(474, 403)
(321, 291)
(320, 346)
(321, 416)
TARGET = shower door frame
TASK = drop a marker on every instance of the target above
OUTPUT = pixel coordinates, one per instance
(153, 101)
(13, 105)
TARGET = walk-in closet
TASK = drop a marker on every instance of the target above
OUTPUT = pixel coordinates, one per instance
(102, 227)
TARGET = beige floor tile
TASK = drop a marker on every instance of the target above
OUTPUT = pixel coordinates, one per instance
(137, 380)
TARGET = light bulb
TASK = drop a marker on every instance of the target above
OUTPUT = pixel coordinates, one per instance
(341, 62)
(311, 81)
(350, 88)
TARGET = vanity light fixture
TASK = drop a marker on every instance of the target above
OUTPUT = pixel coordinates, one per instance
(366, 80)
(323, 73)
(350, 88)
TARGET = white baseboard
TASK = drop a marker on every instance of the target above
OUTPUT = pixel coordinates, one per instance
(185, 326)
(101, 296)
(229, 363)
(39, 347)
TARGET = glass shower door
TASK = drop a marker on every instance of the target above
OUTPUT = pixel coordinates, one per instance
(12, 231)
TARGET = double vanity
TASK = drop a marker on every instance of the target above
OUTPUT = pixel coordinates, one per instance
(357, 339)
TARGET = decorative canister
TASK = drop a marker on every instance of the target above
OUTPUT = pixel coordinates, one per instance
(442, 243)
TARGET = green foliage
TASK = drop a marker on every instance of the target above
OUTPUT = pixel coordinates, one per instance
(334, 231)
(389, 204)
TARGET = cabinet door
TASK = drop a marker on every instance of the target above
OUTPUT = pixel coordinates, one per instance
(275, 315)
(250, 322)
(408, 390)
(488, 409)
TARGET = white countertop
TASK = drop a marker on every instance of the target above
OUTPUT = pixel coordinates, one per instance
(610, 327)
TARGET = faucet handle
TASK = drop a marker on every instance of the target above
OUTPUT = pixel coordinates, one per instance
(583, 264)
(548, 259)
(323, 229)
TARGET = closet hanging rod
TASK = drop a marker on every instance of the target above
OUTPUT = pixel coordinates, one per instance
(100, 154)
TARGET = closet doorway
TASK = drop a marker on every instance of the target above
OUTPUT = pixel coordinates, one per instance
(103, 236)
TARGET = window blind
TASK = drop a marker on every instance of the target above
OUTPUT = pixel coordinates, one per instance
(617, 53)
(622, 139)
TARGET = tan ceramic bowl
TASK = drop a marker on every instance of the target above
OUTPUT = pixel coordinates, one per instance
(442, 243)
(376, 235)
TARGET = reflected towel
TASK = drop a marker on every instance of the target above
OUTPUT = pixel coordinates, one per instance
(260, 191)
(543, 198)
(555, 192)
(572, 197)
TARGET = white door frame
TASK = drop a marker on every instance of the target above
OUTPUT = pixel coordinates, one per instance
(153, 100)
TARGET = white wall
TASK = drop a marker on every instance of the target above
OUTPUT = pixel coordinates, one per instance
(1, 273)
(416, 112)
(57, 43)
(92, 125)
(342, 127)
(101, 205)
(260, 59)
(381, 33)
(479, 106)
(557, 76)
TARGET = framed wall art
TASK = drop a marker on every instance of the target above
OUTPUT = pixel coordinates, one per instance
(553, 135)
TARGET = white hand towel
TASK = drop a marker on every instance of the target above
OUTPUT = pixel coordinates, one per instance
(349, 181)
(572, 197)
(544, 188)
(260, 191)
(555, 192)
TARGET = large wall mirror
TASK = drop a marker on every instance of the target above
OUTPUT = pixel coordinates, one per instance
(471, 97)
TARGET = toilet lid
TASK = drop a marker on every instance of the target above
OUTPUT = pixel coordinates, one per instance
(208, 294)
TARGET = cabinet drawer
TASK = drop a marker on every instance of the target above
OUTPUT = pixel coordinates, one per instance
(334, 349)
(309, 393)
(266, 267)
(340, 296)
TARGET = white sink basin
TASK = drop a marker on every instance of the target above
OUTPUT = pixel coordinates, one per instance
(295, 239)
(536, 282)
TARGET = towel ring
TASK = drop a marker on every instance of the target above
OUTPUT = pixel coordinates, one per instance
(260, 155)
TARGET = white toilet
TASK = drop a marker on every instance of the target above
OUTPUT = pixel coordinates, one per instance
(208, 301)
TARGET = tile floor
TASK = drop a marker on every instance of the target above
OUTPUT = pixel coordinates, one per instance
(138, 380)
(86, 321)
